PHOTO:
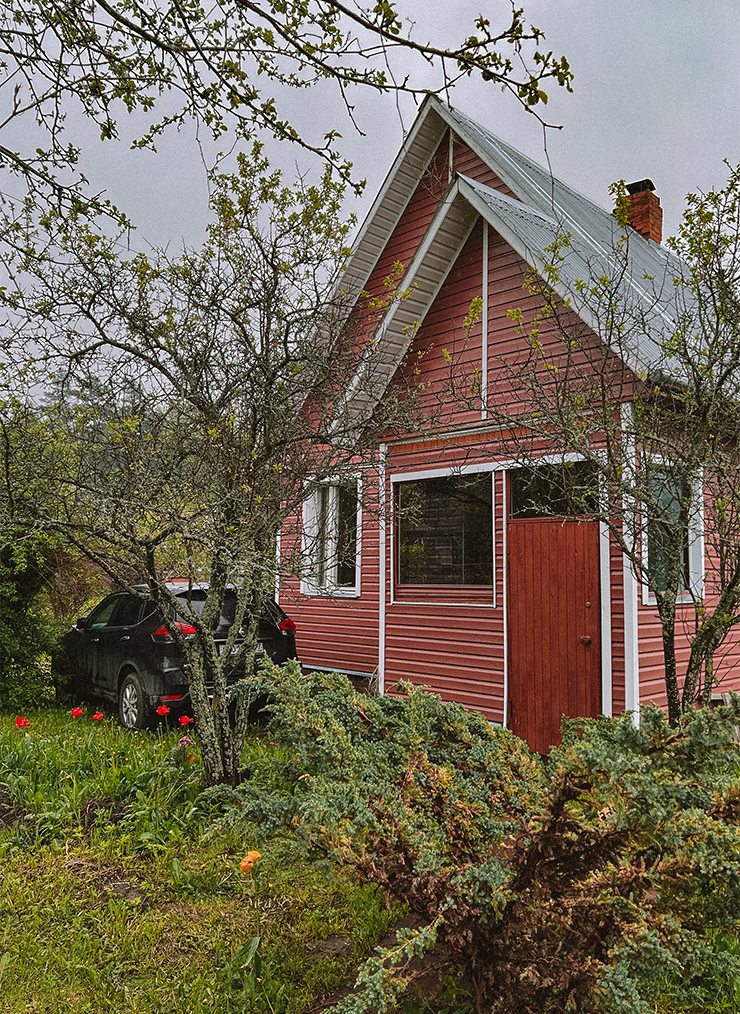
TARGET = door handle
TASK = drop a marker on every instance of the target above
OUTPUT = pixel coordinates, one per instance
(125, 637)
(585, 639)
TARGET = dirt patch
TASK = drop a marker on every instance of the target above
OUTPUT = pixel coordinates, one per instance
(332, 947)
(115, 884)
(425, 975)
(8, 816)
(112, 811)
(110, 881)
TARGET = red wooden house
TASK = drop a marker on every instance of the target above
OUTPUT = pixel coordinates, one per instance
(524, 618)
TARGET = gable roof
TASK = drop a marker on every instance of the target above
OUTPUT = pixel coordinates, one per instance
(544, 212)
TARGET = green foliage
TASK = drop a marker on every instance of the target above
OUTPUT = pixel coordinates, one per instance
(606, 877)
(243, 968)
(30, 556)
(219, 66)
(27, 634)
(579, 881)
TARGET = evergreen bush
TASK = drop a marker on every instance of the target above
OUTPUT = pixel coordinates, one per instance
(575, 882)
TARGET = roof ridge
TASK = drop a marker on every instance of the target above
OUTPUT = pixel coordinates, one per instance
(513, 201)
(516, 157)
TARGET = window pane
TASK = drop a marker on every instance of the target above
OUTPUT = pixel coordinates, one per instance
(197, 604)
(445, 531)
(128, 612)
(665, 535)
(101, 617)
(567, 490)
(346, 507)
(322, 548)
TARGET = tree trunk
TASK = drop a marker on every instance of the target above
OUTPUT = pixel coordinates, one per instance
(668, 625)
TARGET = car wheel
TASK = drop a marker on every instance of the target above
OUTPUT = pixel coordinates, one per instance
(133, 708)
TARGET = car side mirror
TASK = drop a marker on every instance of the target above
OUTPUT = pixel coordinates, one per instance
(81, 623)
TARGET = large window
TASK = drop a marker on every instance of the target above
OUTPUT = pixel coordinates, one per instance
(445, 531)
(330, 539)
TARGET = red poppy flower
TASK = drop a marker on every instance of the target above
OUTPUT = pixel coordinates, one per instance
(184, 720)
(97, 716)
(76, 712)
(163, 710)
(21, 722)
(190, 757)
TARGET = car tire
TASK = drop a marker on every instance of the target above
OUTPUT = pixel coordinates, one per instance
(133, 707)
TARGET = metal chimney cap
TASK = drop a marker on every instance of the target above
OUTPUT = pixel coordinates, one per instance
(637, 188)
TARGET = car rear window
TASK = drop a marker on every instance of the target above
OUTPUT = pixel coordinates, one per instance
(198, 600)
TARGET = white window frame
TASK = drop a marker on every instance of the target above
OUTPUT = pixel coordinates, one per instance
(310, 541)
(696, 562)
(443, 473)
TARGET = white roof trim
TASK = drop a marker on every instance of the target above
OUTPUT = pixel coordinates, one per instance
(434, 259)
(437, 253)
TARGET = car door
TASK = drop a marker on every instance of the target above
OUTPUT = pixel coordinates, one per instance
(88, 639)
(104, 641)
(113, 646)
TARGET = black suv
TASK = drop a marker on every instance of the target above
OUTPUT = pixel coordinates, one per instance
(123, 653)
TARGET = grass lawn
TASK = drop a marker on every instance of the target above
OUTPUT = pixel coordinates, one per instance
(120, 892)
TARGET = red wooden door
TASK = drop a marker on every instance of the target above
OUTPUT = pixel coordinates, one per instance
(554, 660)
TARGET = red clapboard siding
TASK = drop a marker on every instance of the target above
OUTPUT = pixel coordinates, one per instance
(454, 650)
(467, 163)
(727, 658)
(617, 622)
(652, 665)
(441, 349)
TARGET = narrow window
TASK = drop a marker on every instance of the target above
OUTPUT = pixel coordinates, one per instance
(445, 531)
(346, 524)
(332, 537)
(323, 551)
(667, 534)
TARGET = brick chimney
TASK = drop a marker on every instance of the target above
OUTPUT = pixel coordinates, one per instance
(644, 212)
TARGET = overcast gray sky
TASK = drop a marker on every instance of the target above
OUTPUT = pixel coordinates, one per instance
(656, 93)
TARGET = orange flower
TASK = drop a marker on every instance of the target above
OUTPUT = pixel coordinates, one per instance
(248, 861)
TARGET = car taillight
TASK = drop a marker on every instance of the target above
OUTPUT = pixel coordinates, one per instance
(163, 634)
(287, 625)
